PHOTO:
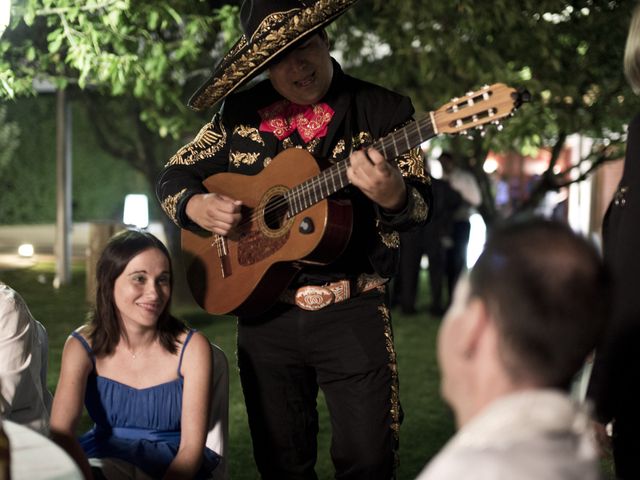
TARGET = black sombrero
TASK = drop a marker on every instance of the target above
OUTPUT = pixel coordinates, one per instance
(270, 27)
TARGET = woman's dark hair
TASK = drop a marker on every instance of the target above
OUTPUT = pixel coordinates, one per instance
(103, 327)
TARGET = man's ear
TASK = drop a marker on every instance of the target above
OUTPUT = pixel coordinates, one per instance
(476, 326)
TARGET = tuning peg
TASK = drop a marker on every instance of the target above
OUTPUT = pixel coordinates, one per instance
(499, 127)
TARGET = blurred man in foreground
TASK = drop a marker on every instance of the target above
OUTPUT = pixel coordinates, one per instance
(520, 327)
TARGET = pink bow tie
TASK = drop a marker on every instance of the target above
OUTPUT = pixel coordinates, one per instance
(283, 117)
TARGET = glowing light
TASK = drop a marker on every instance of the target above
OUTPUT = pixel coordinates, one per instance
(477, 237)
(26, 250)
(136, 210)
(490, 165)
(5, 15)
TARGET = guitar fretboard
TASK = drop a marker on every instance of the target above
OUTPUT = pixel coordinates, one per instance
(334, 178)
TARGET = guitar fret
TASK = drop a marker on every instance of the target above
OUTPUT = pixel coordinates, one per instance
(393, 139)
(315, 191)
(406, 138)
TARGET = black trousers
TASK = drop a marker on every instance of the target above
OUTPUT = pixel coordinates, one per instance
(345, 349)
(457, 255)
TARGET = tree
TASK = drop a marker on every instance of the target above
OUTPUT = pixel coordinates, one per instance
(135, 63)
(132, 64)
(568, 54)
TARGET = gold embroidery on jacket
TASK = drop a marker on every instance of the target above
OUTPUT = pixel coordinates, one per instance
(170, 204)
(249, 132)
(287, 143)
(312, 145)
(337, 150)
(411, 164)
(361, 139)
(391, 239)
(419, 210)
(207, 143)
(266, 162)
(246, 158)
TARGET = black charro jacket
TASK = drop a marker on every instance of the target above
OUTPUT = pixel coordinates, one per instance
(232, 142)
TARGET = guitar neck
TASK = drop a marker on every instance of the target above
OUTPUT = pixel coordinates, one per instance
(334, 178)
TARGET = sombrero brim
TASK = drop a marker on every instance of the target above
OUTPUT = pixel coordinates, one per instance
(247, 58)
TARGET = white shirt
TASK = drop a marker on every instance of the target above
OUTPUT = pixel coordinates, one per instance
(24, 397)
(533, 435)
(466, 185)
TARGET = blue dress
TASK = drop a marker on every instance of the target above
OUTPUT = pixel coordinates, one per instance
(139, 426)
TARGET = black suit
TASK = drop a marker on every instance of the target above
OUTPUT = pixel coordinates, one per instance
(615, 381)
(346, 348)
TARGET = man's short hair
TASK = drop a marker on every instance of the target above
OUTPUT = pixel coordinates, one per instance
(548, 292)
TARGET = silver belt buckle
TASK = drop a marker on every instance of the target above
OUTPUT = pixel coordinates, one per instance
(314, 297)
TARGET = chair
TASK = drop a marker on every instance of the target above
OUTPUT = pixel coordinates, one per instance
(218, 428)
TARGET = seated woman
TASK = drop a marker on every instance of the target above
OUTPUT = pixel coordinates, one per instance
(143, 375)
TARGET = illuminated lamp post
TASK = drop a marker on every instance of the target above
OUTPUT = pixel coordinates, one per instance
(5, 15)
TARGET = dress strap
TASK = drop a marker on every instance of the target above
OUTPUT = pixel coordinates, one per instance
(184, 346)
(86, 346)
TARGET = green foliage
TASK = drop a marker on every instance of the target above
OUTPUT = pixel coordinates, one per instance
(151, 55)
(9, 139)
(99, 181)
(567, 54)
(145, 50)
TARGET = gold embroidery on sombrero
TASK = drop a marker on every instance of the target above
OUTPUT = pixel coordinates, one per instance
(269, 22)
(209, 140)
(255, 56)
(169, 205)
(237, 158)
(249, 132)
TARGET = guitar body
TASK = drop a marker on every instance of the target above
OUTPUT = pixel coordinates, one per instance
(245, 273)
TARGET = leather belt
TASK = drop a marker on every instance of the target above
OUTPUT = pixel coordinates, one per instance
(316, 297)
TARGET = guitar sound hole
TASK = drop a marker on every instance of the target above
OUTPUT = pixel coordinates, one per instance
(275, 212)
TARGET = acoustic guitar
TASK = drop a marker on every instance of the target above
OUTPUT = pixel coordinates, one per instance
(289, 221)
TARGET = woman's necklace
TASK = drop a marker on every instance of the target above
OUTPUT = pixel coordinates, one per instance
(133, 354)
(139, 351)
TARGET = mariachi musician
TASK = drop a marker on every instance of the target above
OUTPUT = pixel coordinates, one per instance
(330, 328)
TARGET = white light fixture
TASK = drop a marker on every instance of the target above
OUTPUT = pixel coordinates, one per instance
(5, 15)
(136, 210)
(490, 165)
(26, 250)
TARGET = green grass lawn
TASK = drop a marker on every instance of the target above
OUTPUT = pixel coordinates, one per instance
(427, 422)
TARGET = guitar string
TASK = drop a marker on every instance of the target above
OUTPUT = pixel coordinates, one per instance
(309, 185)
(301, 193)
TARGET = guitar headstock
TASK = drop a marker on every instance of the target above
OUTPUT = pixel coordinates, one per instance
(490, 104)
